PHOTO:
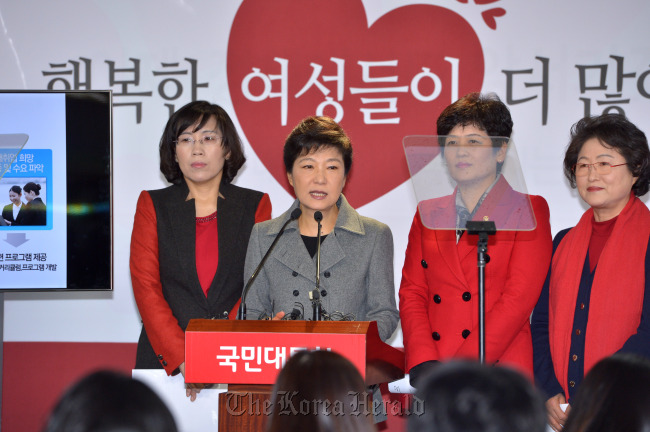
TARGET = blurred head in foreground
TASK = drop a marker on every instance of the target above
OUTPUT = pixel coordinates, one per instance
(110, 402)
(614, 396)
(469, 397)
(320, 391)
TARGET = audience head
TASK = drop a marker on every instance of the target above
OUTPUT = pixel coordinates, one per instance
(614, 396)
(196, 114)
(110, 402)
(470, 397)
(320, 391)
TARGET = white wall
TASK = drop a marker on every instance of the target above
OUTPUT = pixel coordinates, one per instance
(35, 33)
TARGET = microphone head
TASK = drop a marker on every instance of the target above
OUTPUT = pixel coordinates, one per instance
(318, 216)
(295, 214)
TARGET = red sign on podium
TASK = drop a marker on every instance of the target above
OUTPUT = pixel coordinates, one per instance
(254, 352)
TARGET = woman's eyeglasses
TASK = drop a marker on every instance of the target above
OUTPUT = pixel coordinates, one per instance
(602, 168)
(206, 139)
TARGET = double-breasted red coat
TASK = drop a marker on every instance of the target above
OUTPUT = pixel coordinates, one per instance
(439, 289)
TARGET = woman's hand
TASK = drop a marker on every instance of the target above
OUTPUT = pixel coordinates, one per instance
(278, 316)
(556, 417)
(191, 389)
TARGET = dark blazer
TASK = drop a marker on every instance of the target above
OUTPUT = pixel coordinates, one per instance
(163, 268)
(34, 213)
(8, 214)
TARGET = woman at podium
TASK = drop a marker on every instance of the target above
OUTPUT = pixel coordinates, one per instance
(596, 299)
(189, 240)
(355, 281)
(439, 304)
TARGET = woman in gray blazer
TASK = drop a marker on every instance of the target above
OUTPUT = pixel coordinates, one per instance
(356, 265)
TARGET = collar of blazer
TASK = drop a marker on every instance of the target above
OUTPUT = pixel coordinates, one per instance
(181, 191)
(228, 209)
(348, 219)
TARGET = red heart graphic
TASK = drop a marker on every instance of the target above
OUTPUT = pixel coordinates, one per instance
(490, 15)
(271, 52)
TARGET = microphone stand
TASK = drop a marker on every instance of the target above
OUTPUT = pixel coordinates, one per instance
(483, 229)
(314, 295)
(241, 313)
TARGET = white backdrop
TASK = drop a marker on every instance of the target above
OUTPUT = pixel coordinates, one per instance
(38, 36)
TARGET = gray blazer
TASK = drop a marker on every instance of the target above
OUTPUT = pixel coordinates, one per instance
(356, 272)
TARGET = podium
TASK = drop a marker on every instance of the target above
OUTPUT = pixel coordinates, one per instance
(248, 356)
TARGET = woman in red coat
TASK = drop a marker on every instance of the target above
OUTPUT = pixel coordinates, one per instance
(439, 289)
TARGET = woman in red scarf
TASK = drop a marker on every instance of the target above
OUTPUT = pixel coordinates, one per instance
(593, 303)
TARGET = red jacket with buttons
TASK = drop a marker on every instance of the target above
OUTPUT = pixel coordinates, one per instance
(439, 289)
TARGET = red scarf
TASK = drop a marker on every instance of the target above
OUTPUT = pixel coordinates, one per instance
(616, 294)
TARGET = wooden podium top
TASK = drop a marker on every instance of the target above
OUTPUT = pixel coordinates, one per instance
(272, 326)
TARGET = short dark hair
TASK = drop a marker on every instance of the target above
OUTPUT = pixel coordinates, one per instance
(328, 391)
(314, 133)
(199, 113)
(617, 132)
(32, 187)
(16, 189)
(110, 401)
(485, 112)
(471, 397)
(613, 396)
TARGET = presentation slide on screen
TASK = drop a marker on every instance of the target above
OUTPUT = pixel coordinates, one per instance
(33, 191)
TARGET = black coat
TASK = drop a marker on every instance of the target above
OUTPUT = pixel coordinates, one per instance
(8, 214)
(34, 213)
(176, 230)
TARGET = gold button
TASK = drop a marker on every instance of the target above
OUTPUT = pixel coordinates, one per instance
(572, 383)
(486, 218)
(578, 332)
(574, 357)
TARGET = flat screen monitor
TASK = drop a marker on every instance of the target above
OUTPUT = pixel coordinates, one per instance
(55, 190)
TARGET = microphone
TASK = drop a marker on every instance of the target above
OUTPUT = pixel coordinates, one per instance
(241, 314)
(296, 313)
(315, 294)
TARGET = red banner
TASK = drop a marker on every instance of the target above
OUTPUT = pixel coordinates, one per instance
(257, 357)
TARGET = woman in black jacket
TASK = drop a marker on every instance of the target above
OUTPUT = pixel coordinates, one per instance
(35, 208)
(14, 213)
